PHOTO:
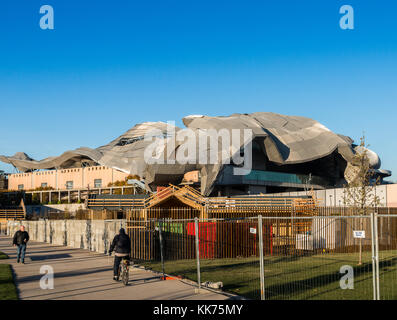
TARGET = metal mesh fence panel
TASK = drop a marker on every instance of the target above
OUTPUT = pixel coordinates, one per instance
(145, 245)
(387, 252)
(178, 243)
(304, 258)
(229, 256)
(319, 258)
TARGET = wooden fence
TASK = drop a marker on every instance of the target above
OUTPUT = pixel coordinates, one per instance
(10, 214)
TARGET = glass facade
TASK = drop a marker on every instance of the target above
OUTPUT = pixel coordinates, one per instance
(256, 177)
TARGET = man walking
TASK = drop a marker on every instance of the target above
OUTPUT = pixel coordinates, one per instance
(122, 246)
(20, 240)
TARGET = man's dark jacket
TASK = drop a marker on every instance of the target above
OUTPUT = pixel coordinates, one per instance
(20, 237)
(121, 243)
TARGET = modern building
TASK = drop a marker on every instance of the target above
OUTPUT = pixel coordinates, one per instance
(282, 153)
(66, 179)
(3, 181)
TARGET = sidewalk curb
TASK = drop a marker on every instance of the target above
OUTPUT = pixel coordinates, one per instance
(193, 284)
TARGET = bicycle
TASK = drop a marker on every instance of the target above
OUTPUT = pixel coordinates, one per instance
(124, 271)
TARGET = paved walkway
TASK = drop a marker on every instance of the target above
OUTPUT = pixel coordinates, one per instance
(84, 275)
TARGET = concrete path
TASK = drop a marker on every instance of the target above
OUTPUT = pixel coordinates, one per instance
(84, 275)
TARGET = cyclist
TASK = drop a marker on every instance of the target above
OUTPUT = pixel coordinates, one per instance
(121, 245)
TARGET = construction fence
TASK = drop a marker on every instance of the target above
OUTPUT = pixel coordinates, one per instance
(275, 258)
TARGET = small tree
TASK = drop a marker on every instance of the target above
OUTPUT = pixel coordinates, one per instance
(359, 193)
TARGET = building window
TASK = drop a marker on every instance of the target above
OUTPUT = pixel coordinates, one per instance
(98, 183)
(69, 184)
(20, 186)
(44, 185)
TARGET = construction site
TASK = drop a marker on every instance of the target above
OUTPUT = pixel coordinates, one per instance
(290, 204)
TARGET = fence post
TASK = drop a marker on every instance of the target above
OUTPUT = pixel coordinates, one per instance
(373, 256)
(196, 232)
(261, 258)
(161, 248)
(377, 255)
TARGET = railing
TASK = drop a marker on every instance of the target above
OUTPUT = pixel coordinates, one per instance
(121, 203)
(76, 189)
(12, 214)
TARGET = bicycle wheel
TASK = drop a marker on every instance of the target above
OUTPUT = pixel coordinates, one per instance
(125, 275)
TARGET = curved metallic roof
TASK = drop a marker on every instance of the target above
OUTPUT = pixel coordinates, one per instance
(286, 140)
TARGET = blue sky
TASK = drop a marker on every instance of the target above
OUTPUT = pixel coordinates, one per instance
(111, 64)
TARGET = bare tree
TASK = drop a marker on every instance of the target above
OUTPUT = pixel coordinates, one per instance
(359, 193)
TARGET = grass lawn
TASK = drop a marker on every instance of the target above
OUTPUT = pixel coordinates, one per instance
(315, 277)
(7, 287)
(3, 256)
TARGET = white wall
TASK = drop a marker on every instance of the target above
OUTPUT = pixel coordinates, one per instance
(335, 197)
